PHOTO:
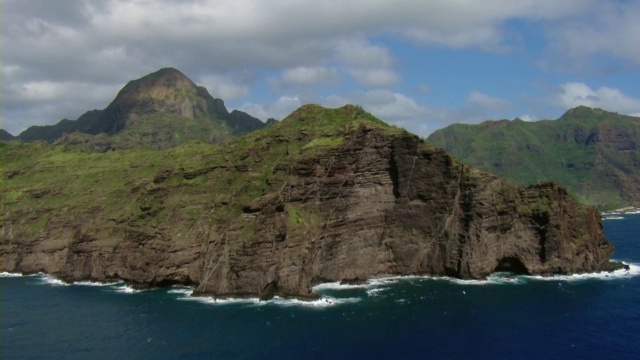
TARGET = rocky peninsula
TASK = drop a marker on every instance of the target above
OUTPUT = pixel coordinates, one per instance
(165, 186)
(324, 195)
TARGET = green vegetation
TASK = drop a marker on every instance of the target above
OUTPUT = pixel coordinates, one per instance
(592, 152)
(183, 193)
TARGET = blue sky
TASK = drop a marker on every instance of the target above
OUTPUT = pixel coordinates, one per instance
(417, 64)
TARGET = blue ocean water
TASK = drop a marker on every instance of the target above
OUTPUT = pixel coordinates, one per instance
(581, 317)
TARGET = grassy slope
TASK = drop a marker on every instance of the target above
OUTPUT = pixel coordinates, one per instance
(48, 190)
(559, 150)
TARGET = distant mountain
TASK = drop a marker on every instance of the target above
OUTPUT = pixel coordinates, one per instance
(5, 135)
(159, 110)
(592, 152)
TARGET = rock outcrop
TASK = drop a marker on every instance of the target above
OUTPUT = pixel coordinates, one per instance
(324, 195)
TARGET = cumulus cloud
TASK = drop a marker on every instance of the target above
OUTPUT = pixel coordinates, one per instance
(309, 75)
(485, 101)
(612, 29)
(573, 94)
(57, 50)
(52, 99)
(369, 64)
(226, 87)
(278, 109)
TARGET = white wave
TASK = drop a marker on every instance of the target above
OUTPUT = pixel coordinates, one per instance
(323, 302)
(9, 274)
(370, 284)
(469, 281)
(391, 279)
(376, 291)
(50, 280)
(340, 286)
(318, 303)
(126, 289)
(499, 278)
(185, 291)
(634, 270)
(213, 301)
(93, 283)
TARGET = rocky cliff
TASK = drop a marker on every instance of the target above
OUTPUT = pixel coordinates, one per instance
(160, 110)
(594, 153)
(324, 195)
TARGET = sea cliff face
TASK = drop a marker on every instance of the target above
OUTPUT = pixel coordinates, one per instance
(324, 195)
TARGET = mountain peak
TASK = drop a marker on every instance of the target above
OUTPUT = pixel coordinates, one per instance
(158, 110)
(166, 90)
(583, 111)
(154, 83)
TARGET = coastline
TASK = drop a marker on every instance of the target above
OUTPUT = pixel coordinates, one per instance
(324, 293)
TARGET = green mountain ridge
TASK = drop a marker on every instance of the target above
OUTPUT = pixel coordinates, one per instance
(592, 152)
(160, 110)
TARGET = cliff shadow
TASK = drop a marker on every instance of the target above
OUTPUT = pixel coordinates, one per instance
(512, 265)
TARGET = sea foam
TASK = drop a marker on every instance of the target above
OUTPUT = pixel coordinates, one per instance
(214, 301)
(633, 271)
(340, 286)
(8, 274)
(325, 301)
(126, 289)
(93, 283)
(50, 280)
(374, 286)
(186, 291)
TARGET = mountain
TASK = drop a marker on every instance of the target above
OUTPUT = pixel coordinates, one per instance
(159, 110)
(323, 195)
(5, 135)
(593, 153)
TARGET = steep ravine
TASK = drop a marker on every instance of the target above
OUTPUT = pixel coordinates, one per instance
(280, 218)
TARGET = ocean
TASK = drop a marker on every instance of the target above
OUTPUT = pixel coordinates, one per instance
(594, 316)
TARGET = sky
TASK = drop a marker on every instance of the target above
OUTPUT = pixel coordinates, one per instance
(420, 65)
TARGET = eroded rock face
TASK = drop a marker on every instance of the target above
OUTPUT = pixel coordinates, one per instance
(376, 204)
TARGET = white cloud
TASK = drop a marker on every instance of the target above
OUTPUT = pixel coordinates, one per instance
(485, 101)
(392, 107)
(375, 77)
(35, 102)
(370, 65)
(78, 48)
(611, 28)
(308, 75)
(279, 109)
(224, 87)
(528, 117)
(573, 94)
